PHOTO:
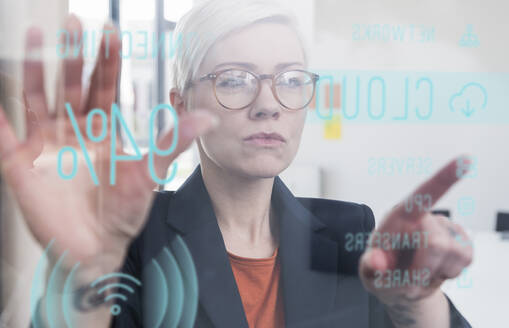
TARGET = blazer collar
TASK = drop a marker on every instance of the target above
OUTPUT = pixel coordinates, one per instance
(307, 257)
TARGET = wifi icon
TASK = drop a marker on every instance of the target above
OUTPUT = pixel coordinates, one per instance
(115, 308)
(170, 288)
(58, 294)
(169, 295)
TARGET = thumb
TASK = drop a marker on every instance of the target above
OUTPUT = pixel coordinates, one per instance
(14, 157)
(190, 126)
(373, 260)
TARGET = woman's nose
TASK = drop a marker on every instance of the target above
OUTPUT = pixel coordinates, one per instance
(266, 105)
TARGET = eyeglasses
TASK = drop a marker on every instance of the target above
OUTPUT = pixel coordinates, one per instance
(236, 89)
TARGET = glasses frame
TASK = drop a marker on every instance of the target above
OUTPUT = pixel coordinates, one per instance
(259, 77)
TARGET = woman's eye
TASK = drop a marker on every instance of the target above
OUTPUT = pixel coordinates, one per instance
(296, 82)
(292, 83)
(231, 83)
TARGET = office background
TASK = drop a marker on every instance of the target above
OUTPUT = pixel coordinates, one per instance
(372, 162)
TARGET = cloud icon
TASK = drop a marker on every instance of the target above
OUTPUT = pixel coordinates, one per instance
(471, 98)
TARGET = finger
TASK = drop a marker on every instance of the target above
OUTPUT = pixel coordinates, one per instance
(373, 260)
(460, 254)
(13, 159)
(461, 237)
(35, 139)
(433, 256)
(33, 74)
(191, 125)
(422, 200)
(32, 120)
(8, 140)
(69, 87)
(103, 84)
(454, 263)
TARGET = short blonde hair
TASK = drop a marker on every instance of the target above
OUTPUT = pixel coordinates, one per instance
(212, 20)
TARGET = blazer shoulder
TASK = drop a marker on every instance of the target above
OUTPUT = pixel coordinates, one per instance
(158, 212)
(341, 216)
(343, 220)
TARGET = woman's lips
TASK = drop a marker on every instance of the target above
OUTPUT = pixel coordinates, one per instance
(265, 139)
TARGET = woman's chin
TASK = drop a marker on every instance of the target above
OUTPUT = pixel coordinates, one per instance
(264, 169)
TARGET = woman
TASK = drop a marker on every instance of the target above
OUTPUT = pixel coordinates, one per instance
(263, 258)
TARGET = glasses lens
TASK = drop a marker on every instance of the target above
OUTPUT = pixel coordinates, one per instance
(235, 89)
(295, 89)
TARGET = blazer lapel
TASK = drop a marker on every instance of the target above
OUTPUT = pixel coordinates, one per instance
(192, 214)
(308, 259)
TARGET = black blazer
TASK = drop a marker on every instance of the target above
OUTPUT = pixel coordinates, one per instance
(319, 278)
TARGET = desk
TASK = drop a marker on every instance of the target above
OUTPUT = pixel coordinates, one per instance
(482, 293)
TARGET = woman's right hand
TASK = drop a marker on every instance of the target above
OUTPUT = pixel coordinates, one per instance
(87, 220)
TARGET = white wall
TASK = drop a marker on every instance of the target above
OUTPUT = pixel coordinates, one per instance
(345, 161)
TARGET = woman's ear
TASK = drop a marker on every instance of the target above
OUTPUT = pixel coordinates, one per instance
(177, 101)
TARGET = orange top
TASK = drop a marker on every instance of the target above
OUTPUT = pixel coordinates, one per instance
(258, 284)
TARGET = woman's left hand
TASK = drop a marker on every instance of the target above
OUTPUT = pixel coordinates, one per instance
(408, 273)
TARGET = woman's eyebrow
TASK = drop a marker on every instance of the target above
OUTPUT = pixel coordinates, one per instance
(252, 66)
(284, 65)
(242, 64)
